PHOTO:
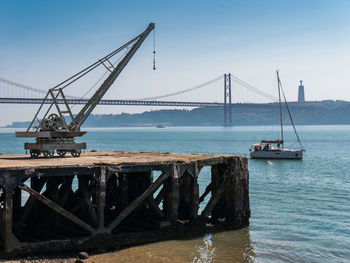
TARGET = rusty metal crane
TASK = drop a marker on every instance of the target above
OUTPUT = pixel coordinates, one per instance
(52, 132)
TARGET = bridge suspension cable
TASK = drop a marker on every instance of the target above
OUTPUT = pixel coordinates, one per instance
(185, 90)
(11, 88)
(251, 88)
(11, 83)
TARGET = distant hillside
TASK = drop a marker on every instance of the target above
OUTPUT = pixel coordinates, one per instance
(310, 113)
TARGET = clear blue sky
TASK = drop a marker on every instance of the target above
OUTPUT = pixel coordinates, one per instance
(44, 42)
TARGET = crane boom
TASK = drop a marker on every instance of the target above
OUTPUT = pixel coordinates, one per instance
(95, 99)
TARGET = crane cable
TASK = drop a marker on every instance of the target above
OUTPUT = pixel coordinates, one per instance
(104, 74)
(127, 47)
(154, 50)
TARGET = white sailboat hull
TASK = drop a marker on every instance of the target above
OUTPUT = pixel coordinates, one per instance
(277, 154)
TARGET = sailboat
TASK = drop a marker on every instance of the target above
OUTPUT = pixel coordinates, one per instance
(274, 149)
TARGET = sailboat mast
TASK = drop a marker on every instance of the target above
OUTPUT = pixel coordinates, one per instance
(279, 101)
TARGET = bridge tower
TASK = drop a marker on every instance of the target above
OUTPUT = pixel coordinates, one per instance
(227, 100)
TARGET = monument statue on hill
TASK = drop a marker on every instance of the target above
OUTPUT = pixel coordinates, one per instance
(301, 94)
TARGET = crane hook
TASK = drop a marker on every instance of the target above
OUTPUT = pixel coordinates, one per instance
(154, 60)
(154, 50)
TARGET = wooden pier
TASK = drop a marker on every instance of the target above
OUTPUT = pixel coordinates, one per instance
(116, 199)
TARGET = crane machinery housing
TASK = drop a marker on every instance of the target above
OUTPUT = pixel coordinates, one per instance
(52, 132)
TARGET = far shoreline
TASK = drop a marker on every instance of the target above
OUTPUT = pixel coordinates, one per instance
(173, 127)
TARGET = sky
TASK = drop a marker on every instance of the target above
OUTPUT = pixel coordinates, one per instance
(45, 41)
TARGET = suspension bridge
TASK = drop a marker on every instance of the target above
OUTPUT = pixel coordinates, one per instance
(222, 91)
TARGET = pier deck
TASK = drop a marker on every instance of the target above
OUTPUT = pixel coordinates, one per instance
(117, 199)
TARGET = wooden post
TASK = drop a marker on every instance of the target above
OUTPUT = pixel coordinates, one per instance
(124, 190)
(172, 193)
(101, 199)
(65, 192)
(189, 191)
(17, 200)
(236, 195)
(9, 241)
(84, 195)
(195, 201)
(51, 193)
(186, 193)
(232, 203)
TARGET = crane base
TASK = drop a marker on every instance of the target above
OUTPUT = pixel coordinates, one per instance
(50, 134)
(47, 149)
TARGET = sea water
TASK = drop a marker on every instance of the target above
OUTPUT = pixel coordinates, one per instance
(300, 210)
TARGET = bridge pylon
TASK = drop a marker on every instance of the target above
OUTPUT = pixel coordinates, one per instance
(227, 100)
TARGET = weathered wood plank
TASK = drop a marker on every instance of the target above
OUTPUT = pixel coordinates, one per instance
(159, 196)
(206, 192)
(60, 210)
(154, 206)
(213, 200)
(125, 212)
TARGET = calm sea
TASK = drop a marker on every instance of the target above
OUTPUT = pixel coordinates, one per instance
(300, 209)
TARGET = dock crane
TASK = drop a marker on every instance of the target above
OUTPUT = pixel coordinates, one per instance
(52, 132)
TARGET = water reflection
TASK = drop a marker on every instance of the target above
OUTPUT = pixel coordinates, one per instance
(205, 251)
(232, 246)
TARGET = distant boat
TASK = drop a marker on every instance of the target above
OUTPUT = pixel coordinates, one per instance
(160, 126)
(274, 149)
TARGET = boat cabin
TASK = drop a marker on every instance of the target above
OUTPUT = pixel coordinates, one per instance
(267, 146)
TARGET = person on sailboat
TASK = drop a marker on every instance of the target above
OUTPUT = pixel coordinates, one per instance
(266, 148)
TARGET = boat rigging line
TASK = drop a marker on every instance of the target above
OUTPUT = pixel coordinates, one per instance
(290, 115)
